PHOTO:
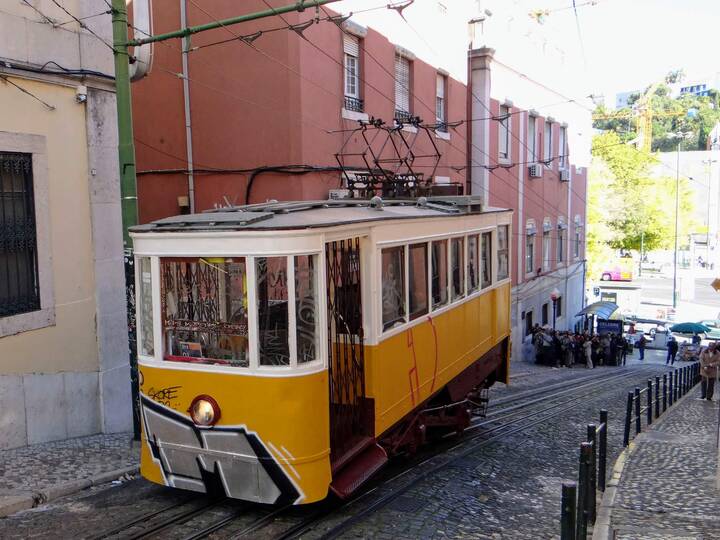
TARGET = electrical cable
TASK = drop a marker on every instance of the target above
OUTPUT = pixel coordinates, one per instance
(83, 25)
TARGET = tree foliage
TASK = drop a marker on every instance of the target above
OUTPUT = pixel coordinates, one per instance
(628, 206)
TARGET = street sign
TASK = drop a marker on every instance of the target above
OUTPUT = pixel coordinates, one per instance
(716, 284)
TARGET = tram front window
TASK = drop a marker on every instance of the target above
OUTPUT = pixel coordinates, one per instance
(272, 303)
(204, 310)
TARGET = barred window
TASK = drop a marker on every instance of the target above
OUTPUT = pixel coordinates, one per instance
(402, 87)
(19, 288)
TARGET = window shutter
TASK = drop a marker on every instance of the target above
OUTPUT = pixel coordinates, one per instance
(351, 45)
(402, 83)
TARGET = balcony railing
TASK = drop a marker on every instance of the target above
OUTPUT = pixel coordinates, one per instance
(354, 104)
(403, 117)
(441, 126)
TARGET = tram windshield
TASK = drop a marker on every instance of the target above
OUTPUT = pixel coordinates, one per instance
(204, 310)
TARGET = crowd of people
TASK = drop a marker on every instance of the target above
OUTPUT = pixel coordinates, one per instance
(565, 348)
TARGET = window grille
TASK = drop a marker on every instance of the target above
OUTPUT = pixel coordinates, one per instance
(19, 289)
(402, 86)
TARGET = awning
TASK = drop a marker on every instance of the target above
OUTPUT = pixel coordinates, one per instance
(601, 309)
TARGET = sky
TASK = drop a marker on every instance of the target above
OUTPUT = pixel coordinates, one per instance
(631, 43)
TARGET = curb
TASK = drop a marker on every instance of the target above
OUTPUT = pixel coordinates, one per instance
(10, 504)
(602, 529)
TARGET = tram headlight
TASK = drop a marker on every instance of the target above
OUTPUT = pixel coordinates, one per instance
(204, 411)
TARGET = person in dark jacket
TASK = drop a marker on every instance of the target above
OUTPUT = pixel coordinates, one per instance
(641, 346)
(672, 348)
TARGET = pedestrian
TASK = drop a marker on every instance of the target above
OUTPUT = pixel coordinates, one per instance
(623, 349)
(696, 339)
(709, 360)
(641, 346)
(672, 348)
(587, 347)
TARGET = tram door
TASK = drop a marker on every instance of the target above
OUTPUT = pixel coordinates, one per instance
(350, 412)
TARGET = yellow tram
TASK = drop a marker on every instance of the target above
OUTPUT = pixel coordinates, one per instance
(287, 349)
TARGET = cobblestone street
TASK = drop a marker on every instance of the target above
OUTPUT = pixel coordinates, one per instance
(508, 489)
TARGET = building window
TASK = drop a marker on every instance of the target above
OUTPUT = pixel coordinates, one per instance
(576, 252)
(532, 137)
(418, 271)
(393, 286)
(544, 313)
(204, 310)
(439, 273)
(145, 307)
(504, 132)
(502, 252)
(558, 307)
(473, 266)
(562, 151)
(547, 144)
(546, 249)
(351, 47)
(307, 322)
(441, 102)
(19, 287)
(561, 246)
(530, 252)
(486, 259)
(402, 88)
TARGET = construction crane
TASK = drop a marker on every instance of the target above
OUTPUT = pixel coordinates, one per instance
(644, 114)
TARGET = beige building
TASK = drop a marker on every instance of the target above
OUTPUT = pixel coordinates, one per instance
(64, 369)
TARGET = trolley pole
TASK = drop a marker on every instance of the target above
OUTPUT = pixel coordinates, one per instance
(126, 145)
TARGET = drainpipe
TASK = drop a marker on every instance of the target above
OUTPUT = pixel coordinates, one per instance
(142, 27)
(186, 100)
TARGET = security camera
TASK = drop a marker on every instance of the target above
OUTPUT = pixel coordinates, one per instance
(81, 94)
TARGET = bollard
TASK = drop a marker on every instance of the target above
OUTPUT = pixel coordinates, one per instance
(657, 396)
(602, 449)
(583, 491)
(677, 386)
(568, 511)
(670, 389)
(683, 388)
(665, 392)
(649, 402)
(628, 416)
(592, 488)
(636, 397)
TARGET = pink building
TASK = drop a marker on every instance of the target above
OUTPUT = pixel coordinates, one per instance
(256, 112)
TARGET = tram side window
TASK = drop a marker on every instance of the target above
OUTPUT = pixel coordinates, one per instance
(147, 344)
(306, 301)
(439, 273)
(473, 266)
(272, 303)
(393, 286)
(204, 310)
(457, 257)
(418, 271)
(486, 259)
(502, 251)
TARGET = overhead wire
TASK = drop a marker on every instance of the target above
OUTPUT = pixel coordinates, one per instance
(83, 25)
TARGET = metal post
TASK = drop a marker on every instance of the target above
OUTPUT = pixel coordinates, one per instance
(649, 402)
(638, 427)
(602, 449)
(677, 214)
(657, 396)
(554, 301)
(665, 392)
(568, 511)
(642, 250)
(628, 421)
(592, 492)
(671, 392)
(583, 486)
(677, 380)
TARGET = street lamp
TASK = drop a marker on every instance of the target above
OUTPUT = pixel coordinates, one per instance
(554, 296)
(679, 136)
(707, 235)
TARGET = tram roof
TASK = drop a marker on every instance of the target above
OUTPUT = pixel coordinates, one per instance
(317, 214)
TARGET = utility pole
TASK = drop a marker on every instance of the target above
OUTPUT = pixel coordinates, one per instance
(709, 162)
(677, 208)
(126, 146)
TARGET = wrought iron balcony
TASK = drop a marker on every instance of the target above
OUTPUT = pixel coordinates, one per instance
(354, 104)
(403, 117)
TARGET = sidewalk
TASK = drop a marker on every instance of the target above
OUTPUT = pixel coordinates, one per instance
(35, 474)
(667, 479)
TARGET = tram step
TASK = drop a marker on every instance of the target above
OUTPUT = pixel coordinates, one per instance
(358, 470)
